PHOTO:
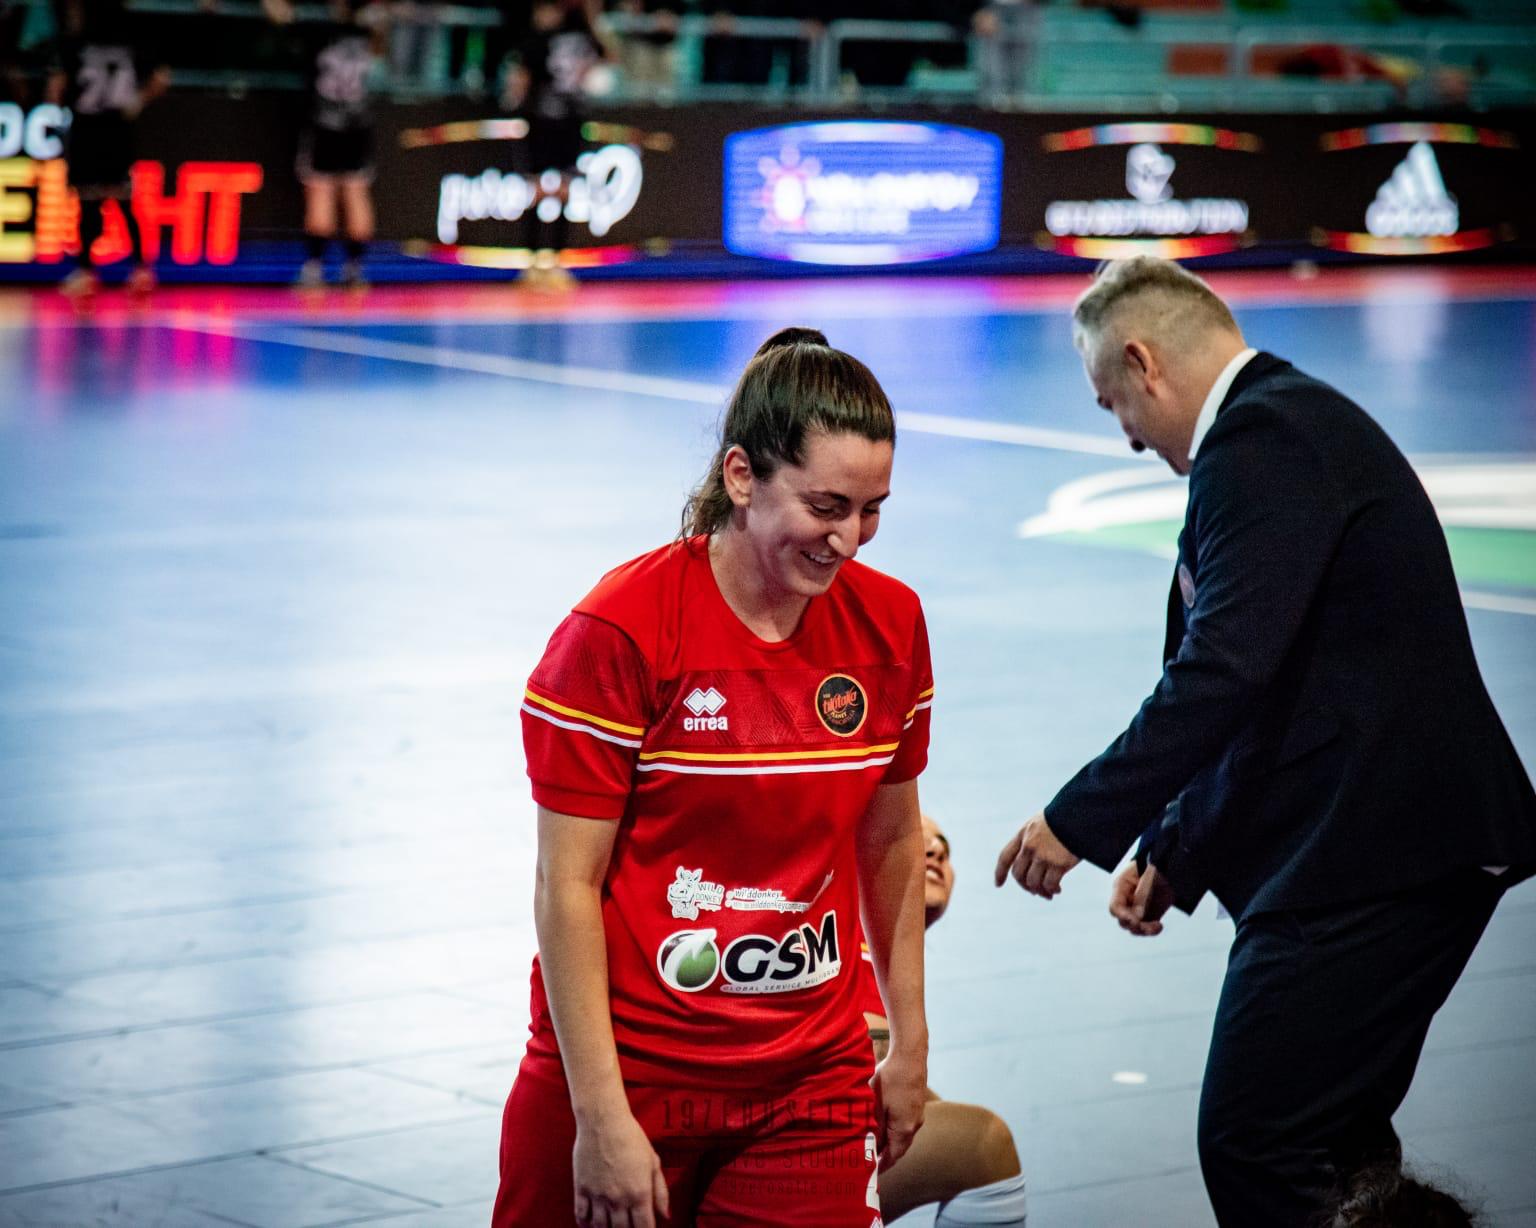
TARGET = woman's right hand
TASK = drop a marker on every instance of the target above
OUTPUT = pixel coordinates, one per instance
(619, 1182)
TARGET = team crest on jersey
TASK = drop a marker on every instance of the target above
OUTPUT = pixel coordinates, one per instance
(841, 705)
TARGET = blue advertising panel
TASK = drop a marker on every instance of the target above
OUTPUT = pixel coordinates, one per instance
(862, 192)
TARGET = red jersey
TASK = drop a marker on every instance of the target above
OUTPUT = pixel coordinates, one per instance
(738, 770)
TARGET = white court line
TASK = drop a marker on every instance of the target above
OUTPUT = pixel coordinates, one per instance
(1501, 603)
(478, 363)
(1014, 433)
(700, 393)
(695, 392)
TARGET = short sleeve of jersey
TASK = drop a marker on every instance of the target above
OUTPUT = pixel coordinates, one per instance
(912, 755)
(585, 712)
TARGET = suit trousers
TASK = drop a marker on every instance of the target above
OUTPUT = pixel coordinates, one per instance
(1321, 1021)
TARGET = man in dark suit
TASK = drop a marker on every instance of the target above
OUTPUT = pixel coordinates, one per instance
(1320, 751)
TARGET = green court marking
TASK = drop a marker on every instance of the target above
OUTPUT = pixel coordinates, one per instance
(1505, 558)
(1159, 537)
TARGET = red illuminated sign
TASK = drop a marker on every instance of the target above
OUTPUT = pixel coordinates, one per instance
(40, 214)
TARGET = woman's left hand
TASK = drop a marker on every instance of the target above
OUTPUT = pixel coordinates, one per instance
(900, 1084)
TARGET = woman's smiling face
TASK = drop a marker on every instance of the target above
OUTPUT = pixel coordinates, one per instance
(805, 521)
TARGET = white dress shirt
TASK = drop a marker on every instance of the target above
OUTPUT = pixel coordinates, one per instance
(1215, 397)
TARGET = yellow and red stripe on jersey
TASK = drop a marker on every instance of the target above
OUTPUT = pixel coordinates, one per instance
(565, 717)
(924, 700)
(768, 762)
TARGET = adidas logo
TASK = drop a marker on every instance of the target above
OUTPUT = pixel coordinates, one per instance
(1413, 203)
(705, 706)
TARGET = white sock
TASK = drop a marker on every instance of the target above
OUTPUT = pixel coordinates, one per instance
(997, 1205)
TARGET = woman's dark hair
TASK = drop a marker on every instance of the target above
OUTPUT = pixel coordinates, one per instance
(796, 383)
(1385, 1197)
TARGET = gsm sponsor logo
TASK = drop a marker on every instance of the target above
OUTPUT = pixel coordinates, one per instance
(806, 956)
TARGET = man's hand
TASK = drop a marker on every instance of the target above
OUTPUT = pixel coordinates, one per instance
(1037, 859)
(1139, 900)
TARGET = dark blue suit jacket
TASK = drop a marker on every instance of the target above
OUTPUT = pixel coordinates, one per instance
(1320, 728)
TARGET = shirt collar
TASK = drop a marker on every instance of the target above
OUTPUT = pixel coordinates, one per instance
(1215, 397)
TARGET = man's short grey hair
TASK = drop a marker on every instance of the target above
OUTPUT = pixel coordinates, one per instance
(1151, 298)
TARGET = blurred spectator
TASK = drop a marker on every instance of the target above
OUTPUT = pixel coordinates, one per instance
(501, 38)
(734, 59)
(413, 36)
(216, 37)
(1007, 31)
(889, 62)
(1125, 13)
(14, 86)
(13, 16)
(1335, 62)
(467, 45)
(650, 59)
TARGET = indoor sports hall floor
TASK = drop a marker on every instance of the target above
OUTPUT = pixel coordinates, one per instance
(273, 571)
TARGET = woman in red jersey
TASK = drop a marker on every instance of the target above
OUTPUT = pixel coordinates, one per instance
(724, 739)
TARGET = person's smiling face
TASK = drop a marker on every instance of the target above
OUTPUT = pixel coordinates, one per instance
(938, 872)
(805, 521)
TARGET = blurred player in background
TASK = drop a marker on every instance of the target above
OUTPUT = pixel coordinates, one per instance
(964, 1157)
(335, 162)
(104, 75)
(547, 86)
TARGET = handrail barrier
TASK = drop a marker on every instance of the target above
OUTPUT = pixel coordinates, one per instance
(1060, 58)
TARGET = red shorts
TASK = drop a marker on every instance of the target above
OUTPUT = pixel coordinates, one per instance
(803, 1155)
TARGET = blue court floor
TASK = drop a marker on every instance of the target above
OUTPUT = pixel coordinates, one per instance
(273, 571)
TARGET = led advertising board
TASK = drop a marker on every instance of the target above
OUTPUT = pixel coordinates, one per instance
(1405, 182)
(1151, 215)
(493, 206)
(190, 210)
(862, 192)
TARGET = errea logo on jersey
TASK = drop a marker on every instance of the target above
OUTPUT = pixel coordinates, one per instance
(705, 706)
